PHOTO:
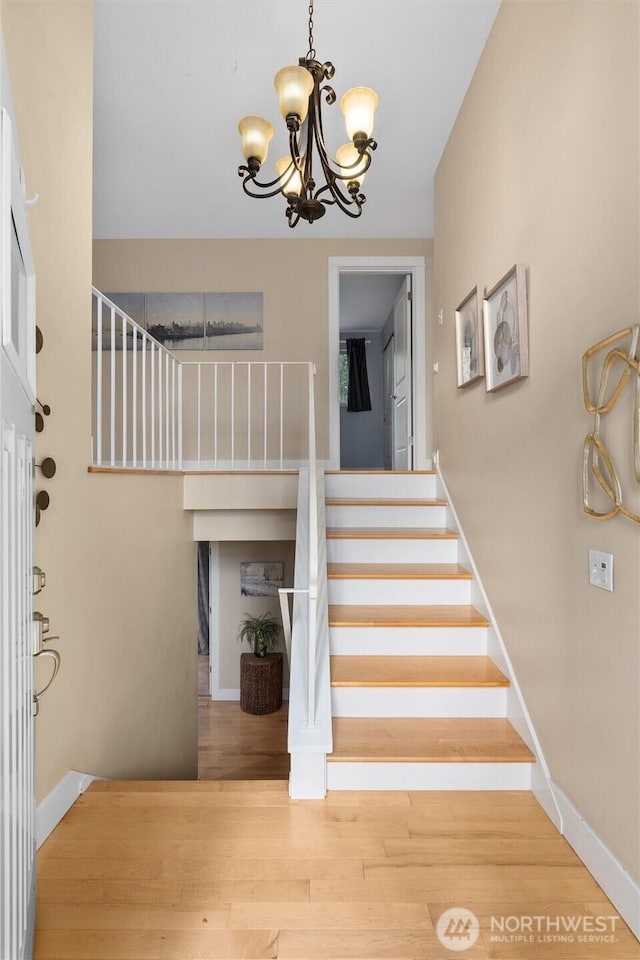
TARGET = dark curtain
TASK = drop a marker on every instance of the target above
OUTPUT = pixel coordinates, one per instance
(203, 598)
(358, 398)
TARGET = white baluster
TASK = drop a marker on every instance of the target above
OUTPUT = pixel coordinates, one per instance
(113, 387)
(199, 430)
(152, 358)
(134, 396)
(264, 429)
(233, 413)
(99, 386)
(281, 413)
(124, 390)
(248, 416)
(143, 345)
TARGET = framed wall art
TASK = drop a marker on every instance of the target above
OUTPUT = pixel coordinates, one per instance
(506, 330)
(469, 339)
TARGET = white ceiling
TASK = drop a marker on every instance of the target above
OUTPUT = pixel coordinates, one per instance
(173, 77)
(366, 300)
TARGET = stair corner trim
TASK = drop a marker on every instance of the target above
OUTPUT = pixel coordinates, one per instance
(517, 712)
(58, 801)
(617, 883)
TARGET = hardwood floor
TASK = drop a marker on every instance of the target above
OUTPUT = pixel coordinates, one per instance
(233, 745)
(174, 871)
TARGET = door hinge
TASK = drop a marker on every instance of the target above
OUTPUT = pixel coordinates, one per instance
(410, 296)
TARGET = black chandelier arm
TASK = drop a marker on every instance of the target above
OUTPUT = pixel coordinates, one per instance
(250, 178)
(340, 200)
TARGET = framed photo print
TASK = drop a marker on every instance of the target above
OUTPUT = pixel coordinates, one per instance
(506, 330)
(469, 340)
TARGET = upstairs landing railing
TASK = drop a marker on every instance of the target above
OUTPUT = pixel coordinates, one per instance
(155, 411)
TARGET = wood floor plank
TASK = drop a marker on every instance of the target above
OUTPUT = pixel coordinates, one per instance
(327, 916)
(397, 571)
(157, 944)
(390, 533)
(426, 740)
(458, 889)
(436, 850)
(367, 944)
(405, 615)
(347, 671)
(60, 916)
(191, 894)
(233, 745)
(213, 868)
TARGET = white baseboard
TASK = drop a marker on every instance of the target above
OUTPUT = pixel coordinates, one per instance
(617, 883)
(52, 809)
(230, 693)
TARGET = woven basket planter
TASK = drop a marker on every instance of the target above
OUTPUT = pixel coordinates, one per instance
(260, 683)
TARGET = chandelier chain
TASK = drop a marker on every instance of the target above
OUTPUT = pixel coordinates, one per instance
(311, 54)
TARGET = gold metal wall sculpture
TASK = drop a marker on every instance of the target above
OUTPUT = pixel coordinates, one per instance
(597, 462)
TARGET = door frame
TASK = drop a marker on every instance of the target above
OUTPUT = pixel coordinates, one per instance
(415, 268)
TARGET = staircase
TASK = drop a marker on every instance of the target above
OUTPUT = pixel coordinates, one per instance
(416, 701)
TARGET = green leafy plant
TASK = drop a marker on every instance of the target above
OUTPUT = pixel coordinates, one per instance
(261, 633)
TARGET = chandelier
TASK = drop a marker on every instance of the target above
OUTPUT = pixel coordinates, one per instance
(300, 90)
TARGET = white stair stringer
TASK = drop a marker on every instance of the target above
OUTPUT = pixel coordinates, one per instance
(362, 533)
(517, 712)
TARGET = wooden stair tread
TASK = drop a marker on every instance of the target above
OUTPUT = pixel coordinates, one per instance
(350, 671)
(397, 571)
(391, 533)
(383, 502)
(405, 615)
(426, 740)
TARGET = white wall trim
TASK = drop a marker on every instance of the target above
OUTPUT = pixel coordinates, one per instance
(52, 809)
(617, 883)
(414, 267)
(517, 712)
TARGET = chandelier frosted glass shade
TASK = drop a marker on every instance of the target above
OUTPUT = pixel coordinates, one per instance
(289, 177)
(359, 106)
(352, 166)
(256, 136)
(294, 86)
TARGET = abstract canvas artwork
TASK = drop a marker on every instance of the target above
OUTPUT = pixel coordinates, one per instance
(506, 331)
(469, 340)
(195, 321)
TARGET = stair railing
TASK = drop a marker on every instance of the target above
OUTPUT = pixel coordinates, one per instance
(154, 411)
(307, 638)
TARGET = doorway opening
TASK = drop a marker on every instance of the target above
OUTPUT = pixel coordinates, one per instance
(377, 338)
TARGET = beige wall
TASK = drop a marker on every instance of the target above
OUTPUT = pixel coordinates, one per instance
(117, 552)
(292, 275)
(542, 169)
(232, 607)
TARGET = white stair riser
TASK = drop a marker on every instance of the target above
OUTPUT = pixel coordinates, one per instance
(391, 551)
(383, 486)
(428, 776)
(408, 641)
(418, 701)
(399, 591)
(385, 516)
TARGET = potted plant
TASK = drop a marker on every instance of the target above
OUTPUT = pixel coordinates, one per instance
(260, 670)
(261, 633)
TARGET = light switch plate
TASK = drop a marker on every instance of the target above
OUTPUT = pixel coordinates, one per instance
(601, 569)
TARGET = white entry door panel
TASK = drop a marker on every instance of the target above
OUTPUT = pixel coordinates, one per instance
(402, 412)
(17, 394)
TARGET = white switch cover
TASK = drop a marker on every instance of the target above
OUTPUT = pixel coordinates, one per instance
(601, 569)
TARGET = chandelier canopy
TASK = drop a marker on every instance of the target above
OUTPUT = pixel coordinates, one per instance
(300, 89)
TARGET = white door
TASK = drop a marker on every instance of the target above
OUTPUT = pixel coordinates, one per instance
(402, 406)
(17, 395)
(388, 403)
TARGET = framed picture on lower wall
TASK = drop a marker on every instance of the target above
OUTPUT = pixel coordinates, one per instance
(469, 339)
(261, 578)
(506, 330)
